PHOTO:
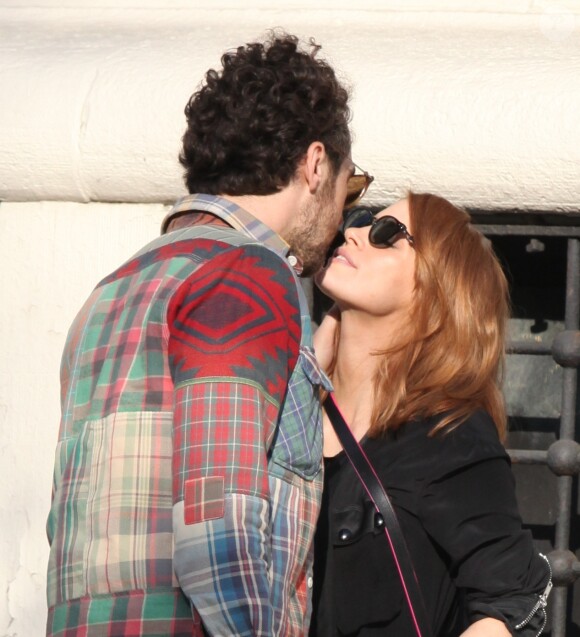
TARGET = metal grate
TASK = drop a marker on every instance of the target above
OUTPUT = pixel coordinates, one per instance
(562, 456)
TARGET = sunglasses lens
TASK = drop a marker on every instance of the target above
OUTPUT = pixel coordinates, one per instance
(356, 188)
(384, 231)
(357, 218)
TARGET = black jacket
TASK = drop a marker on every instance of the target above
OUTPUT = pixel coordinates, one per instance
(455, 500)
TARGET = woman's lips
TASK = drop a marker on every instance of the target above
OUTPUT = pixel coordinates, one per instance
(341, 256)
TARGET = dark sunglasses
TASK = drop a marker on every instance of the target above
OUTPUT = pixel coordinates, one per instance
(384, 230)
(357, 186)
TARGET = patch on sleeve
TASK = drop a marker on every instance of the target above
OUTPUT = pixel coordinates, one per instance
(204, 499)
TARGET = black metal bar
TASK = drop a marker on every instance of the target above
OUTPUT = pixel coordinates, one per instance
(572, 318)
(559, 602)
(528, 456)
(533, 348)
(536, 231)
(567, 418)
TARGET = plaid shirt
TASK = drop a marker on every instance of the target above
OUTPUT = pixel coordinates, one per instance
(188, 468)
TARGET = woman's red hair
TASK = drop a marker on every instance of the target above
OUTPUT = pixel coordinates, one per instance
(451, 360)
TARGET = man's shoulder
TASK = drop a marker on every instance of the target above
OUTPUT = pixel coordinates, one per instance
(196, 247)
(209, 232)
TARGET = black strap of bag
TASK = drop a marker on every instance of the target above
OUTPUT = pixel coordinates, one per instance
(375, 490)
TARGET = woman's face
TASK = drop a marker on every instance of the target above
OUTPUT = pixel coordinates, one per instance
(378, 281)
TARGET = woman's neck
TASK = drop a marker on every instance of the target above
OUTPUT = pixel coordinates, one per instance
(358, 356)
(356, 364)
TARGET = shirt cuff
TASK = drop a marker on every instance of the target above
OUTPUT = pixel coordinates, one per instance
(523, 615)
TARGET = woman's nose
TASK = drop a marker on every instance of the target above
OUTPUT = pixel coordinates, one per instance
(356, 235)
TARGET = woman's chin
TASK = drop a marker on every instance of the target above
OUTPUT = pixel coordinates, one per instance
(319, 278)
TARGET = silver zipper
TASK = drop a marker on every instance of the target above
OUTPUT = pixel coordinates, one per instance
(540, 604)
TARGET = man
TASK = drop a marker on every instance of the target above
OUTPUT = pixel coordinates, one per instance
(187, 477)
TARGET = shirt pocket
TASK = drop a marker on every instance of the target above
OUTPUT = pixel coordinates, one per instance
(297, 445)
(367, 589)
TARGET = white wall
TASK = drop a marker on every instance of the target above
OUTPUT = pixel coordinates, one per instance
(477, 100)
(481, 106)
(53, 253)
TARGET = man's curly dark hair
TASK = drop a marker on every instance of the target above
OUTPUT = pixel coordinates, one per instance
(250, 124)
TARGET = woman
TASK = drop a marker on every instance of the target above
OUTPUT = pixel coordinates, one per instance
(417, 352)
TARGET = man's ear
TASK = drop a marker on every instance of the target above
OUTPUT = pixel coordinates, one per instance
(315, 166)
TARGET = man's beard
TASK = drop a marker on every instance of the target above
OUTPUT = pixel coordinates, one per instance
(313, 234)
